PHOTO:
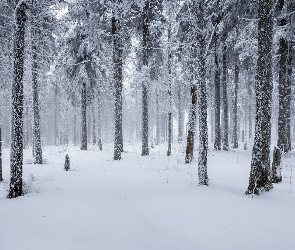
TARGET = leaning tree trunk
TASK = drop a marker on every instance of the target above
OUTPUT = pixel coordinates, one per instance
(235, 109)
(145, 115)
(189, 153)
(83, 116)
(37, 135)
(202, 101)
(260, 179)
(118, 63)
(217, 139)
(16, 156)
(225, 101)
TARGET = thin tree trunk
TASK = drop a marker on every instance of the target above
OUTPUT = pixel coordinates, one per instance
(16, 160)
(180, 116)
(217, 139)
(145, 115)
(56, 141)
(235, 109)
(83, 117)
(169, 96)
(225, 101)
(99, 143)
(75, 128)
(289, 96)
(93, 125)
(260, 179)
(158, 129)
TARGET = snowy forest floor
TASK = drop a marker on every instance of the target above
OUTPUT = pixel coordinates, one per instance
(151, 202)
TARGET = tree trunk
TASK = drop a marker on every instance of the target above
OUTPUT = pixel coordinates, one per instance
(289, 96)
(235, 109)
(217, 139)
(283, 105)
(37, 134)
(169, 96)
(180, 116)
(93, 125)
(75, 128)
(99, 143)
(225, 101)
(276, 166)
(16, 160)
(157, 118)
(189, 153)
(118, 63)
(56, 141)
(259, 179)
(83, 116)
(202, 100)
(145, 120)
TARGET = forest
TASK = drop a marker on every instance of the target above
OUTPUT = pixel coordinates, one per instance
(182, 99)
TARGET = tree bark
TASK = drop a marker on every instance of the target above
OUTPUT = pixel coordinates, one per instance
(36, 109)
(16, 160)
(83, 117)
(202, 100)
(289, 96)
(180, 116)
(260, 179)
(169, 95)
(225, 101)
(217, 139)
(235, 109)
(118, 63)
(145, 115)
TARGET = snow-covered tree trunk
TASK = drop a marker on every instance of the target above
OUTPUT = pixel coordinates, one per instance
(157, 118)
(99, 143)
(118, 77)
(83, 116)
(75, 128)
(217, 138)
(56, 137)
(145, 115)
(16, 160)
(283, 105)
(235, 108)
(260, 179)
(202, 98)
(224, 97)
(180, 115)
(189, 153)
(93, 125)
(36, 108)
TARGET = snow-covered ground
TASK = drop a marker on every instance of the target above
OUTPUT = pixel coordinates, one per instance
(150, 202)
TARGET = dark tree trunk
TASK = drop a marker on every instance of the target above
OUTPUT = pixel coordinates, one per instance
(189, 153)
(276, 166)
(83, 117)
(202, 100)
(118, 63)
(56, 141)
(259, 179)
(75, 128)
(283, 105)
(289, 96)
(225, 101)
(16, 160)
(169, 96)
(217, 139)
(37, 134)
(235, 109)
(145, 115)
